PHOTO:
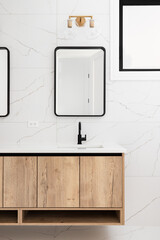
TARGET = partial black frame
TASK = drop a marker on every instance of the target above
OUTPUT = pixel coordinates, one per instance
(8, 81)
(131, 3)
(104, 92)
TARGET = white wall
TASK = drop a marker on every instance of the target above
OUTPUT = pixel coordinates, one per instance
(31, 30)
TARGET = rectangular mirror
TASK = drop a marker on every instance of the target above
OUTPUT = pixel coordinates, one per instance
(140, 35)
(79, 81)
(4, 82)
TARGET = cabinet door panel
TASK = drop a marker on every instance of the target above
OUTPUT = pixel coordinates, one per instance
(58, 182)
(1, 174)
(20, 181)
(101, 182)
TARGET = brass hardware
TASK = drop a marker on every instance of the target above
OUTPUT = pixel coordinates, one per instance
(69, 23)
(80, 21)
(91, 23)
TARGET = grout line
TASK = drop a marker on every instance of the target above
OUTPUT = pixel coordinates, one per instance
(56, 22)
(29, 14)
(89, 121)
(33, 68)
(142, 176)
(56, 119)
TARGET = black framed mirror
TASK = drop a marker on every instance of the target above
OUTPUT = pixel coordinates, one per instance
(4, 81)
(139, 37)
(79, 81)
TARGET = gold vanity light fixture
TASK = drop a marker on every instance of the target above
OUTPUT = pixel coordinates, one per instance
(80, 21)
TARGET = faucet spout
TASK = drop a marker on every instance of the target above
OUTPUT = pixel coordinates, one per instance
(79, 127)
(80, 137)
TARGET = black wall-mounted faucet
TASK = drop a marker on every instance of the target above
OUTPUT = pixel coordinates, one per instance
(80, 138)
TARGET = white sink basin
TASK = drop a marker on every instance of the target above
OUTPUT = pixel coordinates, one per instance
(82, 146)
(87, 148)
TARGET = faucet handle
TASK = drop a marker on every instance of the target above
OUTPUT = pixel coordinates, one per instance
(85, 137)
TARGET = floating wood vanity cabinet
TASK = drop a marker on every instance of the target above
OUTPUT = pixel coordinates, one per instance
(66, 189)
(58, 182)
(20, 182)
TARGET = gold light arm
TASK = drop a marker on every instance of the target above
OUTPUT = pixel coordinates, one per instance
(81, 16)
(80, 21)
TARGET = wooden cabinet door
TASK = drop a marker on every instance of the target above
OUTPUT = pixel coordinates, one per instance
(58, 182)
(101, 181)
(20, 181)
(1, 174)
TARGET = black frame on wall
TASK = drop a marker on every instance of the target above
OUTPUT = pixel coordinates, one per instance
(104, 92)
(8, 81)
(131, 3)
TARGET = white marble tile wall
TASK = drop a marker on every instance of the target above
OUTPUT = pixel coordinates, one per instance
(31, 30)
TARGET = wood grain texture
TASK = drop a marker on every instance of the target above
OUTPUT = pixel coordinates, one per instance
(123, 185)
(101, 182)
(58, 182)
(1, 179)
(20, 181)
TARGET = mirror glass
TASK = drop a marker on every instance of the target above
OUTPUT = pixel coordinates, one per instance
(4, 82)
(80, 81)
(141, 36)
